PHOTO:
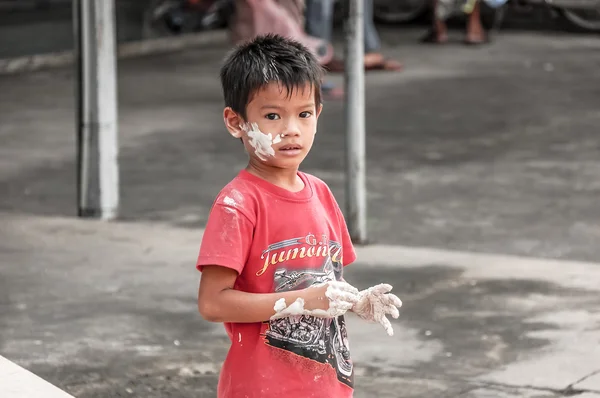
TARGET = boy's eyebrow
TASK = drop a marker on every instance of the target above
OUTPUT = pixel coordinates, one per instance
(269, 106)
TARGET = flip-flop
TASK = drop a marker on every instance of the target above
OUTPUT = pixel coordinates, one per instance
(331, 91)
(333, 94)
(431, 37)
(336, 65)
(468, 42)
(386, 64)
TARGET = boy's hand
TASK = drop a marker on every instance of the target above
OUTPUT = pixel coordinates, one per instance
(332, 298)
(375, 303)
(327, 300)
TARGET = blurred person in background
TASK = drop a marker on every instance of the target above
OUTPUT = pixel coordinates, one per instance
(283, 17)
(319, 23)
(443, 9)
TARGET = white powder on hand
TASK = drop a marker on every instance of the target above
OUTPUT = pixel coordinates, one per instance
(341, 296)
(375, 303)
(280, 305)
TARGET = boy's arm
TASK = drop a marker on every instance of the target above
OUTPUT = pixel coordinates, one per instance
(219, 302)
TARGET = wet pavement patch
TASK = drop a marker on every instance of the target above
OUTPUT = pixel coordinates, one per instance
(482, 324)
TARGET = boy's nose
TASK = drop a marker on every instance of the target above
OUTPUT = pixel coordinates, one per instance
(292, 130)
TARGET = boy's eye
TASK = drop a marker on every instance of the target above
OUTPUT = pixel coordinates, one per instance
(272, 116)
(305, 114)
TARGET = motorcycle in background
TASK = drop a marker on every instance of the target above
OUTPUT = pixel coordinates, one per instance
(172, 17)
(400, 11)
(584, 14)
(169, 17)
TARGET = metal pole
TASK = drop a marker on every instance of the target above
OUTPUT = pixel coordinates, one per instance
(95, 47)
(356, 202)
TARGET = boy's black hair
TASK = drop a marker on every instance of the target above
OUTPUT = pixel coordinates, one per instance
(265, 59)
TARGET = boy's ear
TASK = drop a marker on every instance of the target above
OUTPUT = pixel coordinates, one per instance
(234, 122)
(319, 109)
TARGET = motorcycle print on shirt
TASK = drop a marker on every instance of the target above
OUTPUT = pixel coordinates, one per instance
(319, 339)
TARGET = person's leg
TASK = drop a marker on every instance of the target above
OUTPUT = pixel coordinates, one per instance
(319, 18)
(475, 31)
(374, 59)
(371, 36)
(438, 33)
(319, 23)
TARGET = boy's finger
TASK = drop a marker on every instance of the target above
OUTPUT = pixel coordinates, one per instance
(387, 326)
(392, 310)
(393, 299)
(382, 288)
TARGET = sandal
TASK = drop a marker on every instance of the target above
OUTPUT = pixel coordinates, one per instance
(431, 37)
(385, 64)
(331, 92)
(470, 42)
(336, 65)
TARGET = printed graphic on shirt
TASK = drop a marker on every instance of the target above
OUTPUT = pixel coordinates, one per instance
(318, 339)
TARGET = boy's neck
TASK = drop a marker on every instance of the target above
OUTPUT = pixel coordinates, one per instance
(284, 178)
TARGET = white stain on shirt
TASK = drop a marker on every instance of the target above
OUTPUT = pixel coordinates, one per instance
(229, 201)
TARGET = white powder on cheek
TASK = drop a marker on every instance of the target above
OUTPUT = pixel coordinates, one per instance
(237, 134)
(261, 142)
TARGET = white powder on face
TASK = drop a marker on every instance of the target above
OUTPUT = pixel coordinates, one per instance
(261, 142)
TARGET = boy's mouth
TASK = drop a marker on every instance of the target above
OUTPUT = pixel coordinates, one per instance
(290, 147)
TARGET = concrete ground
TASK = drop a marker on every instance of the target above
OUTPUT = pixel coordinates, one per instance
(493, 149)
(108, 310)
(489, 150)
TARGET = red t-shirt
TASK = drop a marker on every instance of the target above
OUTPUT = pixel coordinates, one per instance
(278, 240)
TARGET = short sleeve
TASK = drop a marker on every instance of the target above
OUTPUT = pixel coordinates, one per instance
(348, 248)
(327, 197)
(227, 239)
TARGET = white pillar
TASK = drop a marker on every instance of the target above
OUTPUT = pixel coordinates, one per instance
(98, 171)
(356, 203)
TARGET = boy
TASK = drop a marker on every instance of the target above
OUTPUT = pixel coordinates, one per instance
(276, 241)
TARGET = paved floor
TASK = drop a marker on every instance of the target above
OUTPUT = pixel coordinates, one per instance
(108, 310)
(488, 150)
(492, 149)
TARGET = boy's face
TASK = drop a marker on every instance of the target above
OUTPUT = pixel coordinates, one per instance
(280, 127)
